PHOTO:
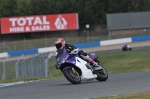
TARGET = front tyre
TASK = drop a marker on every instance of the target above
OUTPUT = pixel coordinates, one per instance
(130, 49)
(102, 74)
(72, 76)
(124, 49)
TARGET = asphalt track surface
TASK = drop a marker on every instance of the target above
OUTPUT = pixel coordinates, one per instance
(62, 89)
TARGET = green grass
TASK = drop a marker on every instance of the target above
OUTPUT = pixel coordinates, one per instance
(132, 61)
(54, 73)
(115, 63)
(142, 95)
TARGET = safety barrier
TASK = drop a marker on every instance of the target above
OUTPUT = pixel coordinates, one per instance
(140, 38)
(87, 45)
(81, 45)
(25, 52)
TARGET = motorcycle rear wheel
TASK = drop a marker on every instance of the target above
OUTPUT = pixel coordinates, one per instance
(72, 77)
(102, 75)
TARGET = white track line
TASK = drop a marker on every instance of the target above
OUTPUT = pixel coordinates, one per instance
(9, 84)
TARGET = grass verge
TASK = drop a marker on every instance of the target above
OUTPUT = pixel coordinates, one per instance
(115, 63)
(142, 95)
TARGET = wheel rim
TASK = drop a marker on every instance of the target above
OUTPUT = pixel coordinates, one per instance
(74, 75)
(102, 73)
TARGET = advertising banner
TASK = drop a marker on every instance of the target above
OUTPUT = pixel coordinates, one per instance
(0, 25)
(54, 22)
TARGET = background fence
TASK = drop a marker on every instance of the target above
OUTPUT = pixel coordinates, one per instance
(21, 68)
(74, 37)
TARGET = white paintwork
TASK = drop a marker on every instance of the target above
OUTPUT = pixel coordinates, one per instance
(86, 73)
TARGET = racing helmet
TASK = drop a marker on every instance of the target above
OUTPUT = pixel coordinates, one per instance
(60, 43)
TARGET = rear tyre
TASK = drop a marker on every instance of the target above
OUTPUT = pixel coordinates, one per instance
(71, 76)
(102, 74)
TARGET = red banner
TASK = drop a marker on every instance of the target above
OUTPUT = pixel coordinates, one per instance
(0, 25)
(39, 23)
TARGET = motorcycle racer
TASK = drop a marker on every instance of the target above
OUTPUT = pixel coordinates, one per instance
(126, 47)
(61, 44)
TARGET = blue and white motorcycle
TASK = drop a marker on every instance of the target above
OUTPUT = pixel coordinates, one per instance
(76, 69)
(126, 48)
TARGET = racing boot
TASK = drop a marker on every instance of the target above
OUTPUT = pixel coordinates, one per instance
(93, 63)
(95, 66)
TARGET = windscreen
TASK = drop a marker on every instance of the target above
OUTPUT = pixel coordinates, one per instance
(59, 52)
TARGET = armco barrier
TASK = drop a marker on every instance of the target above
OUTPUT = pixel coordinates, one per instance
(25, 52)
(115, 41)
(87, 45)
(3, 55)
(140, 38)
(47, 49)
(81, 45)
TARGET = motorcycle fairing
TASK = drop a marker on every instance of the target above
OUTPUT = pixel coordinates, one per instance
(78, 62)
(81, 64)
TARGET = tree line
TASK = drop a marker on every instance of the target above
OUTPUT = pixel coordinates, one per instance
(89, 11)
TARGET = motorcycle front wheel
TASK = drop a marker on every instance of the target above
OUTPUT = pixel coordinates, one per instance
(72, 76)
(102, 74)
(130, 49)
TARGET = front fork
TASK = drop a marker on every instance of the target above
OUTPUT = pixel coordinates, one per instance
(73, 71)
